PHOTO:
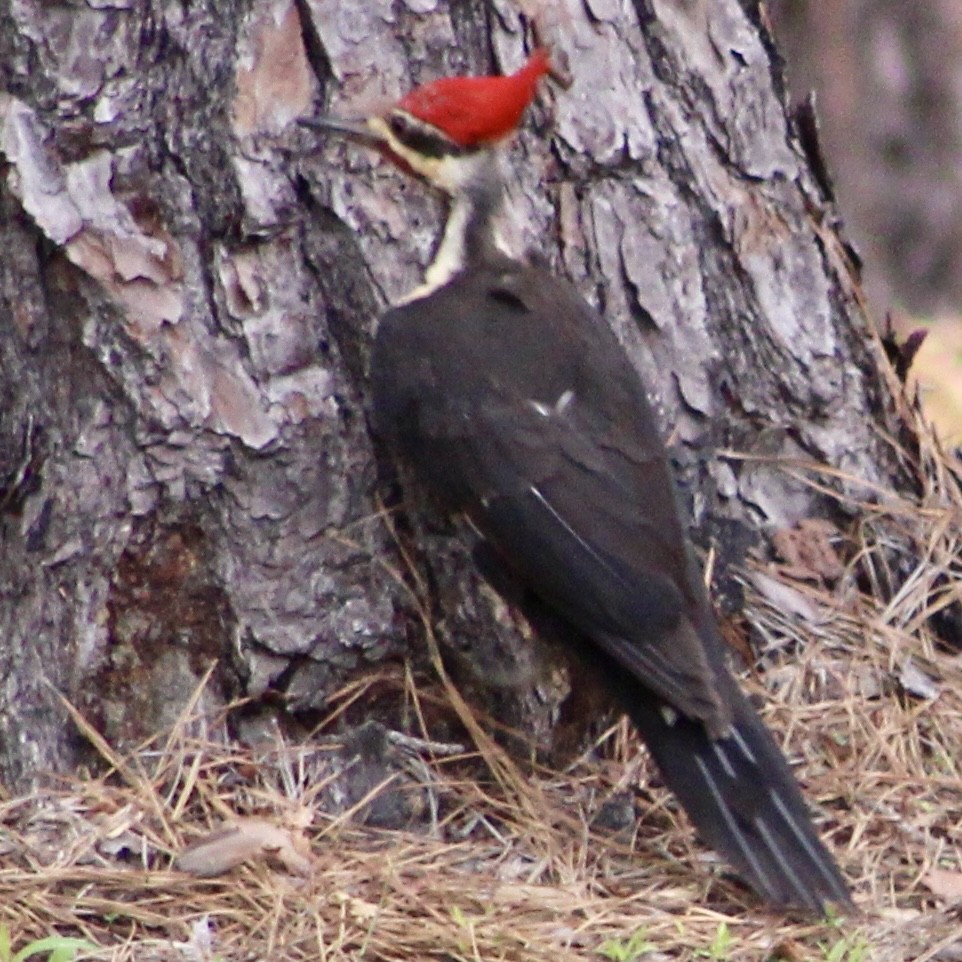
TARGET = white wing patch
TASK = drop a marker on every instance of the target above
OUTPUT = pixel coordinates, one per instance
(564, 402)
(668, 715)
(553, 410)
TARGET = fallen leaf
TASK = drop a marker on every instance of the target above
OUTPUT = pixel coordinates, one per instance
(808, 550)
(360, 909)
(786, 598)
(247, 839)
(916, 682)
(945, 883)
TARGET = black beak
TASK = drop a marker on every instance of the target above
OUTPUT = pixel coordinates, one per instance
(356, 130)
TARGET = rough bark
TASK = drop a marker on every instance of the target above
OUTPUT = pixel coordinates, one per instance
(189, 286)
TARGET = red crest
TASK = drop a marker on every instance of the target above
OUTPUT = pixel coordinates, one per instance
(477, 110)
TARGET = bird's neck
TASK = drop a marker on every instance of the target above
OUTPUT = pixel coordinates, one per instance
(471, 232)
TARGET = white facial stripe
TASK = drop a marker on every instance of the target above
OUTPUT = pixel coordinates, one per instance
(449, 258)
(427, 167)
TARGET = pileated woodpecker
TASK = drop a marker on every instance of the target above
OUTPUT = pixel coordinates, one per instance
(513, 401)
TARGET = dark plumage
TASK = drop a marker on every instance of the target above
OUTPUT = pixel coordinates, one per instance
(514, 402)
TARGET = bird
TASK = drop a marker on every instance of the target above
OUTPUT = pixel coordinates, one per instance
(510, 399)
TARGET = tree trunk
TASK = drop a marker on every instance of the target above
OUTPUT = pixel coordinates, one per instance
(189, 286)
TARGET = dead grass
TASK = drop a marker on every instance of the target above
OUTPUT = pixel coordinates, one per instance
(508, 868)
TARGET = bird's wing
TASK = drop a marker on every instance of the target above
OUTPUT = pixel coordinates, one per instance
(588, 520)
(528, 416)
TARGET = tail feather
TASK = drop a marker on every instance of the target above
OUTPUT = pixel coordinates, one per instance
(742, 798)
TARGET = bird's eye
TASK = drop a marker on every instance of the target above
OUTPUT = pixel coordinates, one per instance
(399, 126)
(422, 137)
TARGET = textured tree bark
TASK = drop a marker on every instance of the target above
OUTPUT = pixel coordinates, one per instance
(189, 285)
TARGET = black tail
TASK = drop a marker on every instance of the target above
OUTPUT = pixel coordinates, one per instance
(742, 798)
